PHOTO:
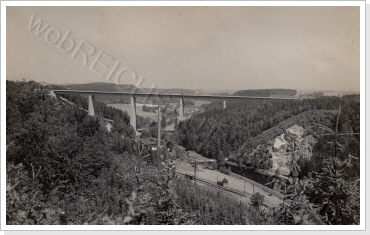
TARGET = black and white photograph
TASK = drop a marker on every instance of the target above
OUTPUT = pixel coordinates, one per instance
(183, 115)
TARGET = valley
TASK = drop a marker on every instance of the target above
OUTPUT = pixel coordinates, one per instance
(258, 156)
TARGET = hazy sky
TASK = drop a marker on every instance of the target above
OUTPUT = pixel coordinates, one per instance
(187, 47)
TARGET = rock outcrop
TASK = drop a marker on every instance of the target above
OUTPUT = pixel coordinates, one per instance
(287, 146)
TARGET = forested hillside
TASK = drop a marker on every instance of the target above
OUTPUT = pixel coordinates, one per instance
(218, 133)
(244, 133)
(105, 111)
(65, 167)
(267, 93)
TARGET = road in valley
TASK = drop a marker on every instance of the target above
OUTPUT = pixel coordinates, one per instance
(234, 183)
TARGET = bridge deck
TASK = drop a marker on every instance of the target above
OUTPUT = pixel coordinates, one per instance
(150, 95)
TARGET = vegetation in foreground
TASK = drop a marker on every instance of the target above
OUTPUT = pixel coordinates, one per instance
(64, 167)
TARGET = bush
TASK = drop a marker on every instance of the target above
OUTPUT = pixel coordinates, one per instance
(257, 200)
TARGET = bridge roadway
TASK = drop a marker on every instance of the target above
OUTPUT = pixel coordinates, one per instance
(133, 96)
(155, 95)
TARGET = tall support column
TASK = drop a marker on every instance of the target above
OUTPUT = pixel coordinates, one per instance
(181, 118)
(159, 132)
(91, 105)
(57, 96)
(224, 104)
(133, 113)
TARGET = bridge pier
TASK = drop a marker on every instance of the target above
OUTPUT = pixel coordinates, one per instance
(58, 98)
(224, 104)
(181, 117)
(133, 113)
(91, 111)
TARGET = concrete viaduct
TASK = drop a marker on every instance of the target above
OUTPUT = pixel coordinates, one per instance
(181, 97)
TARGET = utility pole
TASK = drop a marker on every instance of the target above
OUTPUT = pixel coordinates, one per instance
(285, 214)
(195, 171)
(159, 132)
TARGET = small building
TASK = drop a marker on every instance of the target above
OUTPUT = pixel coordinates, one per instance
(169, 128)
(151, 143)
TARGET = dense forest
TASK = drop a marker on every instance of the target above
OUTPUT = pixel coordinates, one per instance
(64, 166)
(240, 133)
(267, 93)
(219, 133)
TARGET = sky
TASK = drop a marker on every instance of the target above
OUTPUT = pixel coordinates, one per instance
(221, 48)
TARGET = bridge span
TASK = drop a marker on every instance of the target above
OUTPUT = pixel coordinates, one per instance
(181, 97)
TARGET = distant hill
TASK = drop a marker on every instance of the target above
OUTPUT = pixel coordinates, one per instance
(169, 91)
(101, 86)
(267, 93)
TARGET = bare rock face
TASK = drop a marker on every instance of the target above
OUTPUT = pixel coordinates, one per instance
(280, 143)
(296, 131)
(291, 144)
(283, 170)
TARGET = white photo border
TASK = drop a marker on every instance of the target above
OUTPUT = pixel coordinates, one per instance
(360, 227)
